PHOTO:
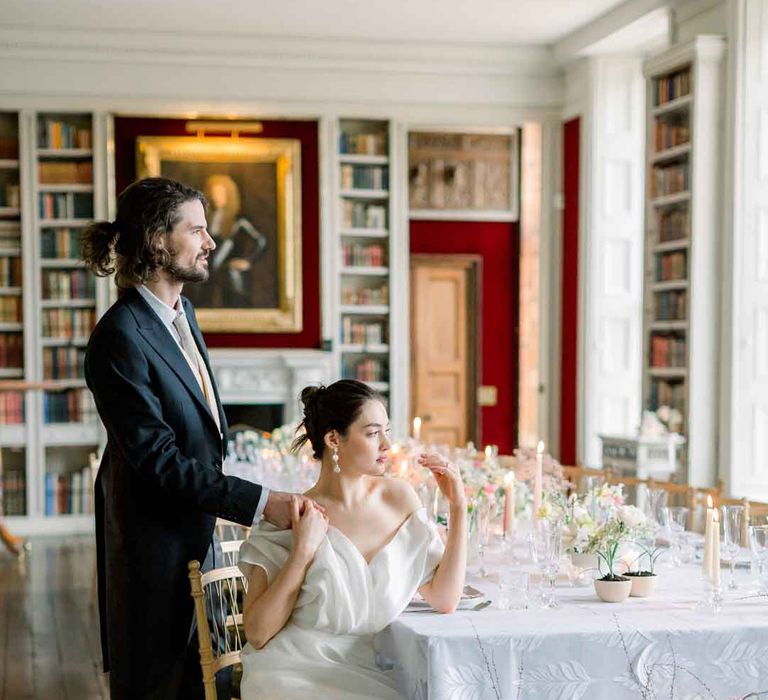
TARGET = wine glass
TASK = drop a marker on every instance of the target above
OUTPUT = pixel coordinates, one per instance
(733, 519)
(546, 550)
(674, 519)
(484, 507)
(656, 500)
(758, 540)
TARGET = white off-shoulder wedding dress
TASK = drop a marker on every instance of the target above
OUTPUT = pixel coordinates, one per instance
(326, 648)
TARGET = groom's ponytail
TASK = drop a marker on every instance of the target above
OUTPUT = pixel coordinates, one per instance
(326, 408)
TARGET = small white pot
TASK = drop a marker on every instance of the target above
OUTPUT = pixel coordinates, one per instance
(643, 586)
(613, 591)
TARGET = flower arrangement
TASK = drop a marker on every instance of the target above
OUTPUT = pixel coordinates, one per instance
(524, 459)
(580, 516)
(625, 524)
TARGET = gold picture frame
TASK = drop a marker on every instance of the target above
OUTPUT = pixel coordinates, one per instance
(253, 187)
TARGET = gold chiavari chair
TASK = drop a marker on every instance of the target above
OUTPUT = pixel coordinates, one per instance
(230, 550)
(227, 530)
(218, 597)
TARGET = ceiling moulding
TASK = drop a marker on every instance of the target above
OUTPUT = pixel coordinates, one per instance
(119, 46)
(636, 26)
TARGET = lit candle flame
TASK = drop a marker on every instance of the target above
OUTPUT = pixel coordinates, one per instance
(540, 447)
(709, 501)
(416, 428)
(403, 467)
(509, 478)
(488, 452)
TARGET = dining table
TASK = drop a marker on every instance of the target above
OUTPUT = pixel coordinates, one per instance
(673, 644)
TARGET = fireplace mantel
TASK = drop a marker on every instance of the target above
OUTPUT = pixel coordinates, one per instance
(266, 376)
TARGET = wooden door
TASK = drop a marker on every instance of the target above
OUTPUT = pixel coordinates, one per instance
(444, 342)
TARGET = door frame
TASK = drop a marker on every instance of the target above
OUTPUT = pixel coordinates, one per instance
(473, 264)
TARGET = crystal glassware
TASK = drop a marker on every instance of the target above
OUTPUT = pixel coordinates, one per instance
(674, 519)
(546, 549)
(733, 520)
(758, 542)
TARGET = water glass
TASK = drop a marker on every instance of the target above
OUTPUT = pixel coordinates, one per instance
(733, 519)
(546, 549)
(674, 519)
(513, 584)
(758, 541)
(655, 502)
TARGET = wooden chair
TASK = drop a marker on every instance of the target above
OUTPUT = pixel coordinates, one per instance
(230, 550)
(218, 597)
(227, 530)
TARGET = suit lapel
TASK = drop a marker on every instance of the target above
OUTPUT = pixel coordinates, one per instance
(157, 335)
(198, 336)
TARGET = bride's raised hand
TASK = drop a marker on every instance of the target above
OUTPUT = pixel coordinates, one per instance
(447, 477)
(309, 527)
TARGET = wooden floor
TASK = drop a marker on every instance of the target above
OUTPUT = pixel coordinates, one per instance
(49, 645)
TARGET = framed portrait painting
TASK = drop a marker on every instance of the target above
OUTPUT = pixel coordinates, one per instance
(253, 188)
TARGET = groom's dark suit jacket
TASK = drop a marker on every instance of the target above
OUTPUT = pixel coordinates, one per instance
(158, 492)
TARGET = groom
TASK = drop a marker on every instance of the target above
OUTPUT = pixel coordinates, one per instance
(160, 486)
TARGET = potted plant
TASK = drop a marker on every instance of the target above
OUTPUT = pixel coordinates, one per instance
(644, 579)
(612, 587)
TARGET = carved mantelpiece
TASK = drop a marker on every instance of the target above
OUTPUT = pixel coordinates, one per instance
(246, 376)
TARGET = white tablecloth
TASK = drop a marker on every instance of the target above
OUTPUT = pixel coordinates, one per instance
(641, 648)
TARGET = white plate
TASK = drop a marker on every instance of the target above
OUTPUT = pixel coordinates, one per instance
(469, 599)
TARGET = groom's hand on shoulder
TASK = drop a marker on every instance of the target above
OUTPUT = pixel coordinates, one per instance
(278, 508)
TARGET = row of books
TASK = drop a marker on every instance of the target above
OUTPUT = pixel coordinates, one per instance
(671, 305)
(669, 135)
(363, 215)
(9, 146)
(11, 309)
(53, 133)
(364, 177)
(14, 484)
(66, 205)
(60, 242)
(10, 271)
(673, 224)
(10, 235)
(72, 406)
(669, 179)
(63, 363)
(671, 87)
(370, 369)
(666, 393)
(69, 494)
(362, 332)
(668, 351)
(72, 172)
(672, 266)
(363, 144)
(11, 350)
(68, 323)
(12, 408)
(366, 255)
(68, 284)
(365, 296)
(10, 195)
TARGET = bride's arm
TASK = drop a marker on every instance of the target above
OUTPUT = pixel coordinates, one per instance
(269, 605)
(444, 590)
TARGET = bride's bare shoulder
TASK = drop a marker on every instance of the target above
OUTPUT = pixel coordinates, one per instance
(400, 495)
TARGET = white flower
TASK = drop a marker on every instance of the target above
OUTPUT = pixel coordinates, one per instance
(631, 516)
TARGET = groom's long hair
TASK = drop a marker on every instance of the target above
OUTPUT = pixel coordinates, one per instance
(130, 246)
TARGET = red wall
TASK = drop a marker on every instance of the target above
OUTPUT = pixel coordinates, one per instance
(570, 292)
(498, 245)
(126, 131)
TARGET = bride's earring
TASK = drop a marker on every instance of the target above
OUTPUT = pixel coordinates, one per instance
(335, 458)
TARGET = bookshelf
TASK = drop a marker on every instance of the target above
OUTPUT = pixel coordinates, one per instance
(362, 178)
(680, 299)
(48, 432)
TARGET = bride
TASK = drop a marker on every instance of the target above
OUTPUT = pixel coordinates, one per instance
(317, 593)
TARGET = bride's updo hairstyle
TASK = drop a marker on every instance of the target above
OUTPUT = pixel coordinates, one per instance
(333, 407)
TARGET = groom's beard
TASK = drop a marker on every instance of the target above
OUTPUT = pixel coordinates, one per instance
(193, 274)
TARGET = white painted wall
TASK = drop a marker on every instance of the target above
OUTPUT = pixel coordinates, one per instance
(611, 241)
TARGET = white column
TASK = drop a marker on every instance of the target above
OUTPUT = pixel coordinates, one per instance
(611, 252)
(745, 304)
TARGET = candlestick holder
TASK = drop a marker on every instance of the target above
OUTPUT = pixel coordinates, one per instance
(712, 597)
